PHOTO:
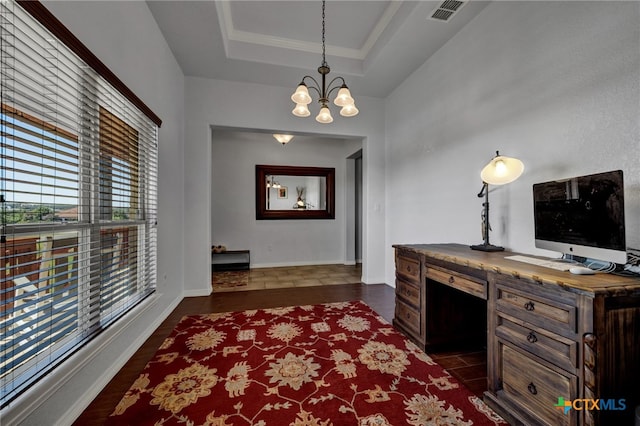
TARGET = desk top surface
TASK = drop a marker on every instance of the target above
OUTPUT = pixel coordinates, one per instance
(495, 262)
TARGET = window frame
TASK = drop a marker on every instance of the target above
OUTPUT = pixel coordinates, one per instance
(89, 227)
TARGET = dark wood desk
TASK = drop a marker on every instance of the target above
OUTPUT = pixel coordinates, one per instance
(548, 333)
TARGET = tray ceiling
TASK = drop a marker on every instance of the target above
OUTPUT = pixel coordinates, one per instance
(375, 45)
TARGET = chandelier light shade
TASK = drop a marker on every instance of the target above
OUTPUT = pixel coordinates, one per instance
(301, 110)
(301, 95)
(349, 111)
(343, 99)
(272, 183)
(283, 139)
(324, 116)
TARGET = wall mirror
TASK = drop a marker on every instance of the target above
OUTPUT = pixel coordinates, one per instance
(295, 192)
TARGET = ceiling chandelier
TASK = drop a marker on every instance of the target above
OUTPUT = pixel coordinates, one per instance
(272, 183)
(343, 99)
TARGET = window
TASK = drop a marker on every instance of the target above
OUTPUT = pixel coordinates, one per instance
(119, 173)
(77, 201)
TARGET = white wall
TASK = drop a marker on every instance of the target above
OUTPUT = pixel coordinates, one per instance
(217, 103)
(276, 242)
(125, 37)
(552, 83)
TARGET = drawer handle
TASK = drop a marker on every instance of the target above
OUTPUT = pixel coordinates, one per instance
(451, 280)
(408, 268)
(529, 306)
(532, 338)
(532, 389)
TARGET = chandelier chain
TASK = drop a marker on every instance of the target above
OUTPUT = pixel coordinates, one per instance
(324, 61)
(343, 98)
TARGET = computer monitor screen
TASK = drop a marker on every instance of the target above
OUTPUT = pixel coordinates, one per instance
(583, 216)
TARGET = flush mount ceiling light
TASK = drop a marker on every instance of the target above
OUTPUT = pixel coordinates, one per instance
(343, 99)
(283, 139)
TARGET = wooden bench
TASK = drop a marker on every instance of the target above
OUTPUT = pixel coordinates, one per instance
(230, 260)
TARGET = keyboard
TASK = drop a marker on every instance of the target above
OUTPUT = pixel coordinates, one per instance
(545, 263)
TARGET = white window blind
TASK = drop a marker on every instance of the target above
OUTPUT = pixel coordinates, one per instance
(78, 201)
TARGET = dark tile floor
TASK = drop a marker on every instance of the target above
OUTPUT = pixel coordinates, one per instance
(468, 367)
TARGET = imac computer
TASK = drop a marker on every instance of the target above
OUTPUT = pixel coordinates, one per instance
(582, 216)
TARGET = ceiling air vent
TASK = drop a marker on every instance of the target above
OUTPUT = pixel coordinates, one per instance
(446, 10)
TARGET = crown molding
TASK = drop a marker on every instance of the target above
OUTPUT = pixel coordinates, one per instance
(230, 34)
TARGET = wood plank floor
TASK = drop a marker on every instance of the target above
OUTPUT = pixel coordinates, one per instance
(470, 368)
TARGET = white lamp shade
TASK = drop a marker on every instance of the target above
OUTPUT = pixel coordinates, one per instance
(324, 116)
(344, 97)
(501, 170)
(301, 95)
(349, 110)
(283, 139)
(301, 110)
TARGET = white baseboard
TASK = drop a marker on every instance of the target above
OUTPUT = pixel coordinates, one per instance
(301, 263)
(198, 292)
(369, 280)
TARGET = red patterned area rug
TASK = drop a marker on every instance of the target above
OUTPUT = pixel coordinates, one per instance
(332, 364)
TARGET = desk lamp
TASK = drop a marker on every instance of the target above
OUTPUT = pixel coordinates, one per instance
(499, 171)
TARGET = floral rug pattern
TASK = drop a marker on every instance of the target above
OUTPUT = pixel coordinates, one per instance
(333, 364)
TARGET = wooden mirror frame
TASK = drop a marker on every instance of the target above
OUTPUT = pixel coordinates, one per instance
(262, 171)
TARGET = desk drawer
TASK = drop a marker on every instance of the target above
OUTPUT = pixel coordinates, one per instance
(408, 268)
(535, 387)
(409, 292)
(549, 314)
(465, 283)
(556, 349)
(408, 316)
